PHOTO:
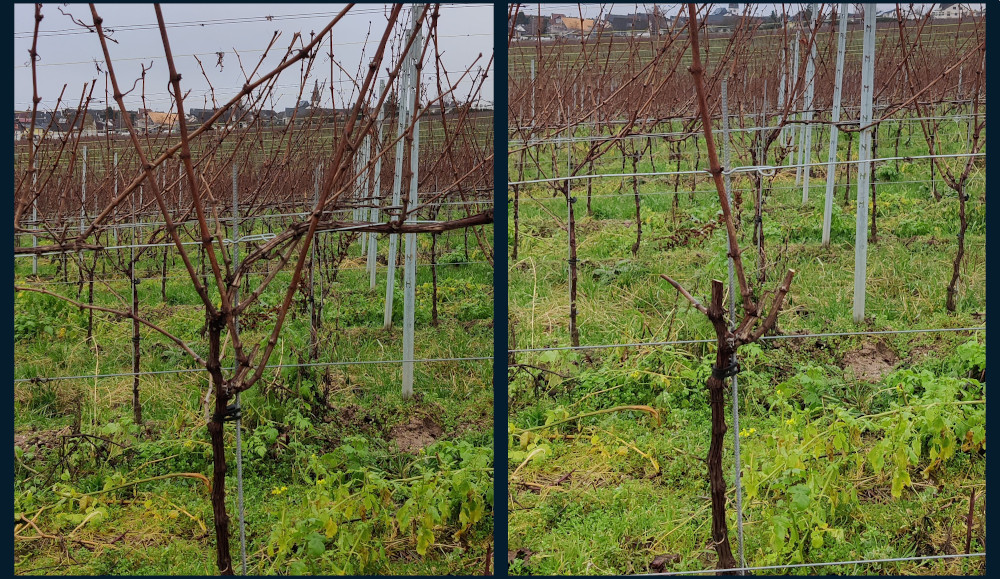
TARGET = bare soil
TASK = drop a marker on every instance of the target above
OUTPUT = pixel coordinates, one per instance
(419, 432)
(871, 362)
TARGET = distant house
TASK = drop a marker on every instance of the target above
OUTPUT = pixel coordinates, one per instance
(627, 24)
(60, 127)
(149, 121)
(886, 15)
(267, 117)
(298, 113)
(200, 116)
(530, 25)
(659, 23)
(954, 11)
(579, 26)
(238, 116)
(556, 24)
(725, 18)
(22, 122)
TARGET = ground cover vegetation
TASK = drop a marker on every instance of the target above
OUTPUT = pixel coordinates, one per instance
(130, 331)
(860, 446)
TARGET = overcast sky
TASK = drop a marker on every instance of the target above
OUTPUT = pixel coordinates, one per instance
(670, 9)
(68, 52)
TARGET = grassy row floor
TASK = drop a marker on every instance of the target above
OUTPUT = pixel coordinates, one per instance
(340, 474)
(855, 447)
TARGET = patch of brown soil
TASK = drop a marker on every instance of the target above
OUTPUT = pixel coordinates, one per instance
(871, 362)
(42, 438)
(419, 432)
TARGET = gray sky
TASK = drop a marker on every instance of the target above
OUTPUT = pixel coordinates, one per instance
(592, 10)
(68, 52)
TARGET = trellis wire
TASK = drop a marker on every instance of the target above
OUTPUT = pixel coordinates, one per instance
(789, 122)
(255, 237)
(267, 216)
(269, 366)
(741, 189)
(780, 337)
(824, 564)
(247, 275)
(743, 169)
(693, 134)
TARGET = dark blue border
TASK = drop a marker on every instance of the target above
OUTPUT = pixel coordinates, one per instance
(500, 332)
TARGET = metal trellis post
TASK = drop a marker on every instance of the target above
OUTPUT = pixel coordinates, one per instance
(807, 105)
(732, 326)
(831, 167)
(794, 128)
(532, 90)
(402, 101)
(376, 197)
(236, 323)
(864, 166)
(410, 253)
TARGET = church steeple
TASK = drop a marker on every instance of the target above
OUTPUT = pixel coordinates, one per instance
(314, 102)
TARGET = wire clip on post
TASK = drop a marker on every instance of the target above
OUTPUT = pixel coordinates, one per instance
(723, 373)
(232, 414)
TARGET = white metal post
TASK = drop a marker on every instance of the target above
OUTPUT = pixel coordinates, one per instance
(403, 120)
(532, 91)
(236, 323)
(732, 326)
(795, 132)
(376, 197)
(831, 166)
(810, 85)
(410, 255)
(366, 155)
(864, 165)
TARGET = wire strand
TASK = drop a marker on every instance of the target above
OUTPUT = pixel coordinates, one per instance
(824, 564)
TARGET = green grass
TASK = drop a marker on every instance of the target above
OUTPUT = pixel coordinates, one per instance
(608, 493)
(334, 436)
